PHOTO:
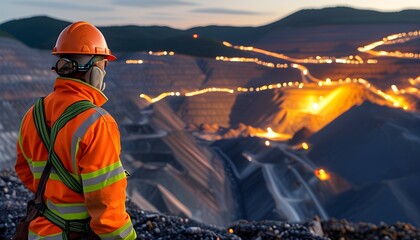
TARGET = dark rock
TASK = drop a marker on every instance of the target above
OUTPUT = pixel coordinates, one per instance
(151, 225)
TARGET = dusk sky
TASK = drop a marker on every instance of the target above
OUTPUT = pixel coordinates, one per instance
(181, 14)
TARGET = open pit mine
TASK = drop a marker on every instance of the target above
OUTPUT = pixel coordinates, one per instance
(308, 123)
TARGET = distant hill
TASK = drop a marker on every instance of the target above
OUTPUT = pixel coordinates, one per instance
(37, 32)
(156, 38)
(345, 15)
(309, 17)
(121, 38)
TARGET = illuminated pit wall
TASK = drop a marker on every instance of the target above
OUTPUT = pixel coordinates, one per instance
(306, 77)
(323, 107)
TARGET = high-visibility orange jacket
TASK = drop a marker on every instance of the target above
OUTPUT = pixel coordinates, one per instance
(89, 148)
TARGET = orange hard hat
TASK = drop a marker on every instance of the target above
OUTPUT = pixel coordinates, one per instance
(82, 38)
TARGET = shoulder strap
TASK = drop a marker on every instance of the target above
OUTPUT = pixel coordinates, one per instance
(40, 124)
(49, 137)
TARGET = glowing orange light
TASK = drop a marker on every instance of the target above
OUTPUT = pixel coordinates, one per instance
(394, 88)
(230, 230)
(305, 146)
(322, 174)
(133, 61)
(227, 44)
(195, 35)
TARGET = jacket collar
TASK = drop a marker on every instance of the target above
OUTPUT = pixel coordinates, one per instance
(81, 89)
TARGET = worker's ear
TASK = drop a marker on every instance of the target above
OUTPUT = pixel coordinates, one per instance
(95, 77)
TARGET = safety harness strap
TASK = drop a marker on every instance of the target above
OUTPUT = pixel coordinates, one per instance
(67, 225)
(49, 138)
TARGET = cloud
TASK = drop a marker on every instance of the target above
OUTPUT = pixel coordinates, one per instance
(64, 5)
(164, 16)
(225, 11)
(110, 18)
(154, 3)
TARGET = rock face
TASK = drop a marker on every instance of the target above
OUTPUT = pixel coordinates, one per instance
(379, 163)
(172, 172)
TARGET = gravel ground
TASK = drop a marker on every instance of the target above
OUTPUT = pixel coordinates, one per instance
(150, 225)
(344, 230)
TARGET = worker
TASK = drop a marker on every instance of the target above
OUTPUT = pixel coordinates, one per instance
(88, 146)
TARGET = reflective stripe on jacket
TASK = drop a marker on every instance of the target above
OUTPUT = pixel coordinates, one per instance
(89, 148)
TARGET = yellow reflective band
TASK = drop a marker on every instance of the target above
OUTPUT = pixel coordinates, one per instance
(107, 182)
(37, 168)
(125, 232)
(68, 211)
(74, 155)
(101, 171)
(41, 163)
(103, 177)
(37, 175)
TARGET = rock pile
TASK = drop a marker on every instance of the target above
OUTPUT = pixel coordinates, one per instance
(151, 225)
(344, 230)
(14, 196)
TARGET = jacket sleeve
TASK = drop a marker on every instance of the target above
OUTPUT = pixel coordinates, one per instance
(22, 167)
(104, 181)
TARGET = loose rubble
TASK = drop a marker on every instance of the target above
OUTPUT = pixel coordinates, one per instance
(14, 197)
(344, 230)
(151, 225)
